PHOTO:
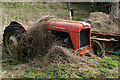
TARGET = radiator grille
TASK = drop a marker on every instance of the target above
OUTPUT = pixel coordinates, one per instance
(85, 38)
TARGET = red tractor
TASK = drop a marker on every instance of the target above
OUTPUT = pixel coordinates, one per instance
(75, 33)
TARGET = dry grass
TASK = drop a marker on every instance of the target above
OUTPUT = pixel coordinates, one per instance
(101, 23)
(52, 67)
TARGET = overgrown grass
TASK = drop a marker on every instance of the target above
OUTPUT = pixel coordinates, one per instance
(24, 12)
(107, 68)
(27, 11)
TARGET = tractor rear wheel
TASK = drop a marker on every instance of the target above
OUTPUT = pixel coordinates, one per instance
(11, 40)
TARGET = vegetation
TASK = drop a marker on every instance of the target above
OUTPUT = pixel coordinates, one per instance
(107, 68)
(26, 12)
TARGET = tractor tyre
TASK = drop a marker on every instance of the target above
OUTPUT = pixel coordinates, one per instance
(11, 41)
(97, 48)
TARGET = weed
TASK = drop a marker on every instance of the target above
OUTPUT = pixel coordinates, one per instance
(106, 72)
(32, 75)
(109, 63)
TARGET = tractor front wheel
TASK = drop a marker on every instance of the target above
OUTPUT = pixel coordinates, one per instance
(97, 49)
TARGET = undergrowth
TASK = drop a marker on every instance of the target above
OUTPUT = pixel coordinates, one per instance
(107, 68)
(25, 12)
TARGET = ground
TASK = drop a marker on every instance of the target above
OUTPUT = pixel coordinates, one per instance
(26, 13)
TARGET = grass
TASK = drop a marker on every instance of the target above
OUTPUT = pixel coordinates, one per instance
(28, 11)
(109, 66)
(82, 11)
(105, 69)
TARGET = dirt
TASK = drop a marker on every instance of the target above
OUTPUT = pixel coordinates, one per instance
(101, 23)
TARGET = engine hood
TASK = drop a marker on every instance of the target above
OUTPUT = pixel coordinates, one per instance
(67, 26)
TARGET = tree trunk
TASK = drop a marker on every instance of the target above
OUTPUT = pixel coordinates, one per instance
(115, 14)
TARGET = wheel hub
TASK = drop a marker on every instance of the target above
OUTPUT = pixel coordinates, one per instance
(12, 44)
(13, 41)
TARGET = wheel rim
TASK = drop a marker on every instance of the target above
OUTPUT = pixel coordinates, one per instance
(96, 49)
(11, 44)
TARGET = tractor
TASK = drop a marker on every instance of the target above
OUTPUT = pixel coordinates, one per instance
(76, 34)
